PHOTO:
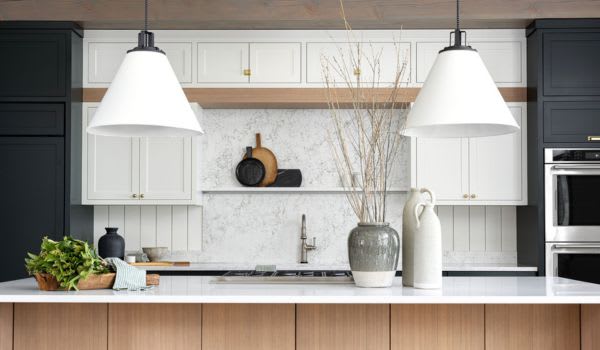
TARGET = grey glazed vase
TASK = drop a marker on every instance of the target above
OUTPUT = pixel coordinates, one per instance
(373, 250)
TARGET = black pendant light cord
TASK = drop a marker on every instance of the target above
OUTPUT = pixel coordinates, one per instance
(457, 14)
(458, 34)
(146, 38)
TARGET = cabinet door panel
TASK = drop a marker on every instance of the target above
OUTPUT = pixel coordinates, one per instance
(60, 326)
(32, 185)
(495, 165)
(104, 59)
(449, 327)
(571, 121)
(222, 62)
(502, 59)
(275, 63)
(531, 327)
(590, 324)
(342, 327)
(32, 119)
(165, 168)
(442, 166)
(135, 326)
(6, 326)
(112, 165)
(33, 64)
(248, 326)
(571, 64)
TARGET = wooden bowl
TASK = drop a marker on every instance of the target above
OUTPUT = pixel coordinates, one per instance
(102, 281)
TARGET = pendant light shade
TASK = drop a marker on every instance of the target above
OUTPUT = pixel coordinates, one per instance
(145, 97)
(459, 97)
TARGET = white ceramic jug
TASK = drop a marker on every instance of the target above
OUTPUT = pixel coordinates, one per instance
(427, 273)
(409, 226)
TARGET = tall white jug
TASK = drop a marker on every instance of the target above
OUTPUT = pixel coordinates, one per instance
(409, 226)
(427, 248)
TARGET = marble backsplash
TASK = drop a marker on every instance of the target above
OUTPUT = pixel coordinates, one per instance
(264, 228)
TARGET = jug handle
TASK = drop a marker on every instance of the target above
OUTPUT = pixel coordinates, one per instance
(431, 195)
(420, 204)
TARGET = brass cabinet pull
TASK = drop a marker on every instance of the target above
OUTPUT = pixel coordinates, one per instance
(593, 138)
(247, 72)
(473, 196)
(134, 195)
(465, 196)
(142, 196)
(356, 71)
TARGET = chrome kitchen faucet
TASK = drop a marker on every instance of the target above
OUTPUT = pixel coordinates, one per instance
(306, 247)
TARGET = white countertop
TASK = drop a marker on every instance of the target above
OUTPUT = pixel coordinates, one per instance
(229, 266)
(202, 289)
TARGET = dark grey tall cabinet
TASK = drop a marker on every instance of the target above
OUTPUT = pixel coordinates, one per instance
(563, 109)
(40, 142)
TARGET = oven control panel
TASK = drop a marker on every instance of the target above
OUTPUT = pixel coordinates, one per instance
(578, 155)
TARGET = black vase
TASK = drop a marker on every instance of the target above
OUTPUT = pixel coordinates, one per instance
(111, 245)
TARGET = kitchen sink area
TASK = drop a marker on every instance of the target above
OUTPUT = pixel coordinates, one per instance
(285, 276)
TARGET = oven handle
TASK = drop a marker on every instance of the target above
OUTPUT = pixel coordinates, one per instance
(576, 248)
(575, 166)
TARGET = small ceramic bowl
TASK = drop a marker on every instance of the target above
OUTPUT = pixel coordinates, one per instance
(155, 253)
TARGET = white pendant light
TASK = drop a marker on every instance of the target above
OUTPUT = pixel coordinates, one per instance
(145, 97)
(459, 97)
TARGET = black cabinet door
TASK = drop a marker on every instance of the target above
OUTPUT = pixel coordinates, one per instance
(571, 121)
(33, 64)
(32, 206)
(32, 119)
(571, 64)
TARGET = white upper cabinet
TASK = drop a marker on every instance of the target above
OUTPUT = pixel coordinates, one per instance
(104, 59)
(138, 170)
(275, 63)
(111, 165)
(474, 171)
(344, 60)
(222, 62)
(504, 60)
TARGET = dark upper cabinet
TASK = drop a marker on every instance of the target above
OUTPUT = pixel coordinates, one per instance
(32, 183)
(571, 121)
(571, 63)
(32, 119)
(33, 64)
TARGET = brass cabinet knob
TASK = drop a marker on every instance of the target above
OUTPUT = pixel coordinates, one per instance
(465, 195)
(247, 72)
(473, 196)
(134, 195)
(356, 71)
(142, 196)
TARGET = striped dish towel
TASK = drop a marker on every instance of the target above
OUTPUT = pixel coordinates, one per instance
(128, 277)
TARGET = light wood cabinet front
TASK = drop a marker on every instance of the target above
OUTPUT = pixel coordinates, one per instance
(590, 327)
(248, 327)
(60, 326)
(448, 327)
(530, 327)
(154, 326)
(342, 327)
(6, 326)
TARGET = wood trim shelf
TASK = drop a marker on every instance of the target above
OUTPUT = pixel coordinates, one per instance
(214, 98)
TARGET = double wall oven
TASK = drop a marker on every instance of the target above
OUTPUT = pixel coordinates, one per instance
(572, 213)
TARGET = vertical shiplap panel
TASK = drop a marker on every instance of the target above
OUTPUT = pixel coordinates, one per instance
(493, 229)
(509, 229)
(477, 228)
(148, 226)
(116, 217)
(461, 228)
(163, 226)
(100, 222)
(179, 228)
(194, 229)
(446, 215)
(132, 228)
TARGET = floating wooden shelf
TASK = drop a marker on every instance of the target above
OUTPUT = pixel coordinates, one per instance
(291, 97)
(243, 190)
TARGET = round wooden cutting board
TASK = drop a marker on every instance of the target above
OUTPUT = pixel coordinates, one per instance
(269, 161)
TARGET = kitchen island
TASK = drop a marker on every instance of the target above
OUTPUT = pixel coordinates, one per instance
(193, 312)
